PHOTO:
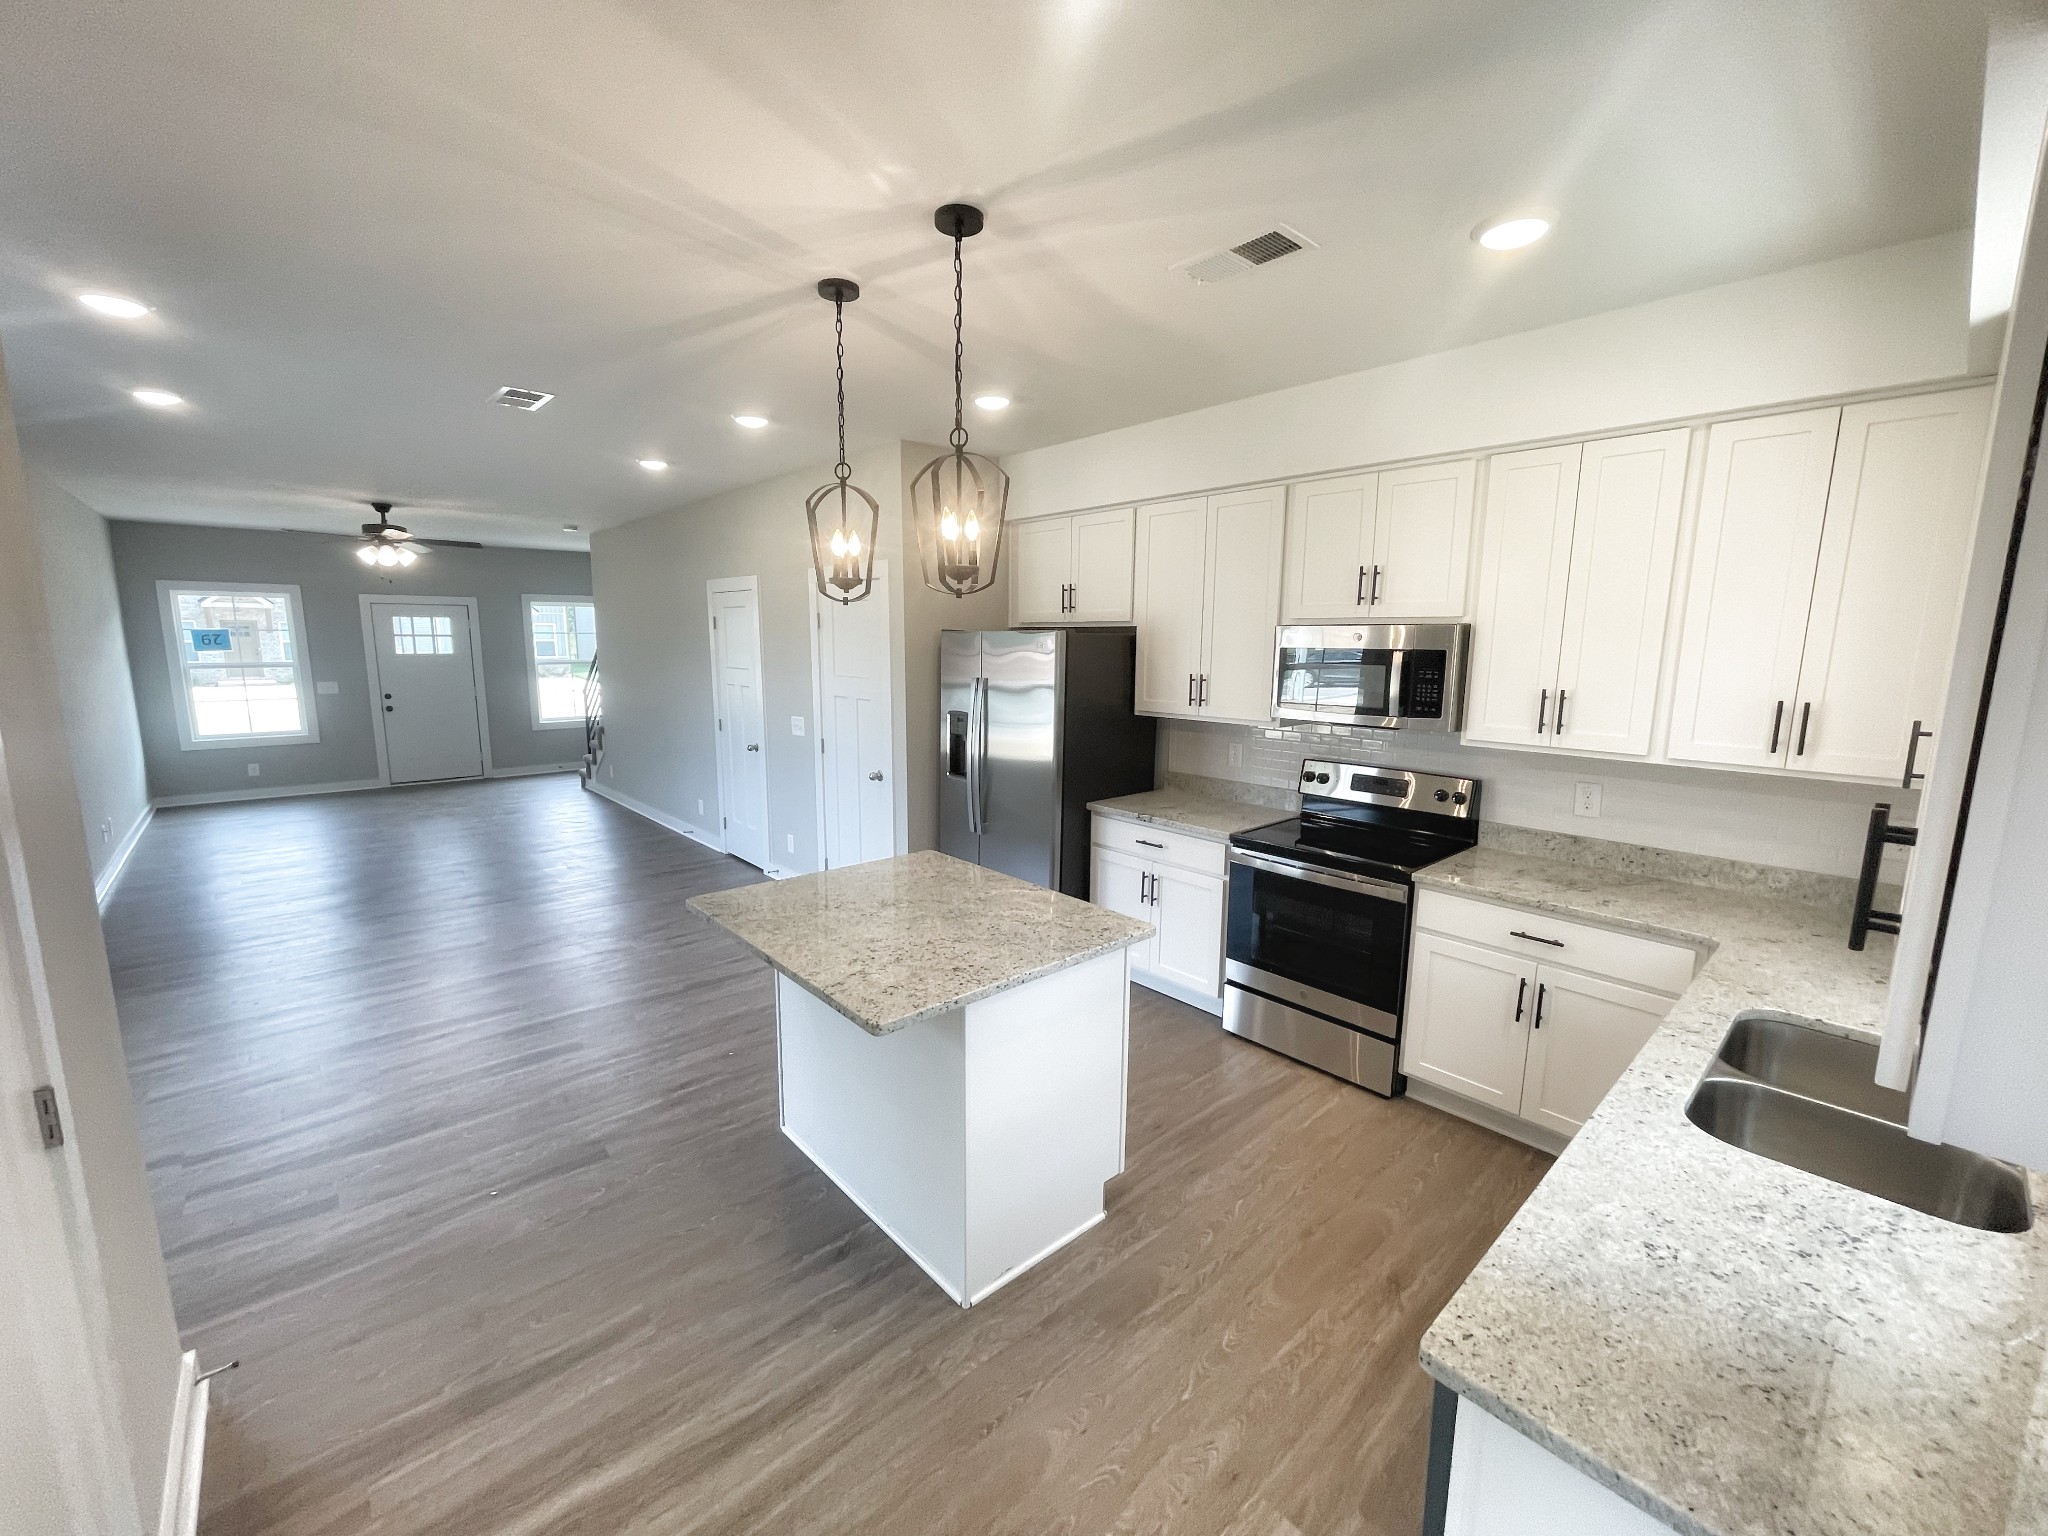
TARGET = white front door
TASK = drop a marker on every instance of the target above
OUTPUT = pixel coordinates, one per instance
(742, 743)
(427, 691)
(855, 701)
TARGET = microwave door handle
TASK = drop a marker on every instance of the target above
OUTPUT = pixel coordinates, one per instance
(1394, 670)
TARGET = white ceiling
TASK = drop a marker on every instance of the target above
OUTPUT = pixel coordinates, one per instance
(358, 220)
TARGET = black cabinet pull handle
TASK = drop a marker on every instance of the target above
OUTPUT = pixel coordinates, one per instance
(1521, 995)
(1375, 585)
(1542, 991)
(1361, 587)
(1777, 721)
(1202, 697)
(1560, 713)
(1146, 842)
(1805, 719)
(1913, 751)
(1534, 938)
(1542, 711)
(1191, 690)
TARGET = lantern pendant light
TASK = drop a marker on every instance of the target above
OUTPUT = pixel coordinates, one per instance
(842, 554)
(957, 500)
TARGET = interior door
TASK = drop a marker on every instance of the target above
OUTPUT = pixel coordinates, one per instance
(855, 701)
(1901, 509)
(1172, 569)
(1329, 549)
(1624, 540)
(1019, 769)
(1422, 541)
(1584, 1032)
(1467, 1026)
(742, 755)
(1247, 531)
(1119, 882)
(1753, 560)
(1188, 912)
(1041, 568)
(427, 692)
(1524, 575)
(1102, 567)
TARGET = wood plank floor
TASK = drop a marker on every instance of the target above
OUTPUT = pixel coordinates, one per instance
(463, 1137)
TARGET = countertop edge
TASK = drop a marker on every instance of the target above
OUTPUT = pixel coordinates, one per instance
(1705, 943)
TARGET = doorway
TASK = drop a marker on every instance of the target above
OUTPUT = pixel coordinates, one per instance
(736, 705)
(855, 704)
(429, 702)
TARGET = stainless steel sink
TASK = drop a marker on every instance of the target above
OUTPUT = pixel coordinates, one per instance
(1778, 1088)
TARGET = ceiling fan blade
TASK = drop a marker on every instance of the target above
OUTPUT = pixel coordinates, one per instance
(450, 543)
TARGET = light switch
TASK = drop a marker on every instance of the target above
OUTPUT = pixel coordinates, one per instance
(796, 725)
(327, 687)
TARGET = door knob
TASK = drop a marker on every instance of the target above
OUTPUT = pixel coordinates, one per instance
(876, 776)
(387, 707)
(753, 746)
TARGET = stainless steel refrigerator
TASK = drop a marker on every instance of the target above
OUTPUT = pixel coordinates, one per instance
(1033, 725)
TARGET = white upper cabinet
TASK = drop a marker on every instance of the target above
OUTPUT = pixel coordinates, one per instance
(1524, 572)
(1422, 542)
(1207, 602)
(1892, 554)
(1624, 542)
(1754, 551)
(1072, 570)
(1394, 545)
(1171, 603)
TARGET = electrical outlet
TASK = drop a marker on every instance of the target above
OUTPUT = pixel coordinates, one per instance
(700, 807)
(1237, 754)
(1586, 802)
(789, 842)
(255, 770)
(796, 725)
(106, 829)
(611, 772)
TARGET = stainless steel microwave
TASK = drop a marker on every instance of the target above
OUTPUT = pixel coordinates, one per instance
(1388, 676)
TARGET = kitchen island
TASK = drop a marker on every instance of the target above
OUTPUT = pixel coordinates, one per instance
(951, 1049)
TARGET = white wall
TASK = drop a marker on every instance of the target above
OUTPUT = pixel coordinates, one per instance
(93, 683)
(1877, 320)
(2008, 153)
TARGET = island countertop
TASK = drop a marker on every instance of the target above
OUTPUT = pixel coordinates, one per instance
(899, 940)
(1735, 1346)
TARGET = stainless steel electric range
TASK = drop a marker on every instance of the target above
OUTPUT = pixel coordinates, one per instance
(1316, 947)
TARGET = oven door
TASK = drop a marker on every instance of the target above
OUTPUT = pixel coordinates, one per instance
(1359, 685)
(1322, 939)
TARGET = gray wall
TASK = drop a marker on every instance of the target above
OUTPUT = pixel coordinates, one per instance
(330, 580)
(93, 682)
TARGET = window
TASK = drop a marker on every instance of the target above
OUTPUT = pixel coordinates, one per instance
(238, 659)
(422, 635)
(561, 646)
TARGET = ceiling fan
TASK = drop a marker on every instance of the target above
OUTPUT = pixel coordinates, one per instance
(387, 543)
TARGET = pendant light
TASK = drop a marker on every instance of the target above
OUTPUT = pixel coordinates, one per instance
(958, 499)
(841, 555)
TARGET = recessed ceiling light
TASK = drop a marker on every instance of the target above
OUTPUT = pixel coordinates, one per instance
(654, 466)
(993, 402)
(752, 423)
(156, 399)
(113, 305)
(1515, 231)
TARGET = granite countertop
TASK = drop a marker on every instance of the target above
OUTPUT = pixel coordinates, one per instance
(899, 940)
(1182, 810)
(1734, 1346)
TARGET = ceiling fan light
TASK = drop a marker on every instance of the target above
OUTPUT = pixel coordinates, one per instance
(386, 555)
(406, 557)
(367, 553)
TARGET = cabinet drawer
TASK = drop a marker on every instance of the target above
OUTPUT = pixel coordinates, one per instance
(1159, 845)
(1600, 951)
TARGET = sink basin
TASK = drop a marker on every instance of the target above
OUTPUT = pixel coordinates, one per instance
(1803, 1097)
(1772, 1048)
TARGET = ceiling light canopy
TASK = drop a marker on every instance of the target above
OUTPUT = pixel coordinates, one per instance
(843, 561)
(114, 305)
(957, 501)
(1516, 230)
(993, 402)
(654, 466)
(156, 399)
(751, 423)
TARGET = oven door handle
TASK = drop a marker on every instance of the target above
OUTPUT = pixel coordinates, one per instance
(1316, 875)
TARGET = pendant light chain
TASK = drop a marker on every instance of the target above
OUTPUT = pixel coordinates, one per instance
(842, 471)
(959, 434)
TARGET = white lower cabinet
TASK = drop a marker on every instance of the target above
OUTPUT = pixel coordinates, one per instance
(1498, 1017)
(1176, 883)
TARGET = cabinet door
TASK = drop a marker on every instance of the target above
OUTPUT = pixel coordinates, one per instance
(1329, 549)
(1461, 1031)
(1901, 510)
(1245, 538)
(1041, 566)
(1524, 571)
(1188, 911)
(1119, 882)
(1168, 599)
(1422, 542)
(1624, 539)
(1583, 1034)
(1102, 567)
(1753, 557)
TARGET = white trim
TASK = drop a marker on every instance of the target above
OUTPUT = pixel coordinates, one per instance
(103, 888)
(527, 769)
(178, 1514)
(660, 818)
(818, 712)
(526, 602)
(301, 664)
(752, 586)
(476, 672)
(281, 792)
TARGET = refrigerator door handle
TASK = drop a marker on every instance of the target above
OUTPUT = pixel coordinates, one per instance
(974, 757)
(981, 761)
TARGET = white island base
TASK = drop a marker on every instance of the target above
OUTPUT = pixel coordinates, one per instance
(978, 1138)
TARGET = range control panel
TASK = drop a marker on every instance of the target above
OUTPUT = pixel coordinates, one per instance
(1363, 785)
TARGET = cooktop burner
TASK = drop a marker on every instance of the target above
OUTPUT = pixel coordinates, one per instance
(1383, 821)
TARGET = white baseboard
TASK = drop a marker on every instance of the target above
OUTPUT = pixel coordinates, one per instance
(520, 773)
(103, 887)
(659, 818)
(281, 792)
(178, 1513)
(1542, 1138)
